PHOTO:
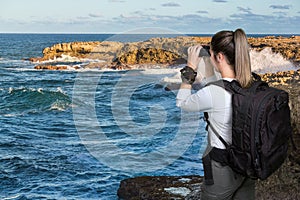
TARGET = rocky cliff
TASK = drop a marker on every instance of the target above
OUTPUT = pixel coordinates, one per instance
(155, 50)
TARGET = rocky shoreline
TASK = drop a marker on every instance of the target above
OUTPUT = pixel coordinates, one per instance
(157, 51)
(283, 184)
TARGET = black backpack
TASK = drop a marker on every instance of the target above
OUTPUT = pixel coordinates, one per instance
(261, 128)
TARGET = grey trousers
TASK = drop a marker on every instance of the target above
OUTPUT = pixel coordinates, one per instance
(228, 185)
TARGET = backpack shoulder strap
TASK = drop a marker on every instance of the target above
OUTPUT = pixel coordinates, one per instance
(235, 87)
(214, 130)
(230, 86)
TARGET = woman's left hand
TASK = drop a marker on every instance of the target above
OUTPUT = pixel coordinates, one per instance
(193, 56)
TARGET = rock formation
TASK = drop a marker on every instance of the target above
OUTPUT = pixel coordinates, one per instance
(155, 50)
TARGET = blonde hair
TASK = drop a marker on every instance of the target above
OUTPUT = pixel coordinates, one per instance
(234, 46)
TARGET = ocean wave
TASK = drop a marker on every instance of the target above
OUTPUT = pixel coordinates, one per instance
(23, 69)
(21, 101)
(13, 61)
(70, 59)
(267, 61)
(16, 197)
(160, 71)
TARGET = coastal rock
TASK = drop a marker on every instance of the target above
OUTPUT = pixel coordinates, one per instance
(158, 50)
(283, 184)
(90, 50)
(163, 187)
(51, 67)
(148, 56)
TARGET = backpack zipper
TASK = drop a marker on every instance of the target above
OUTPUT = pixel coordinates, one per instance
(256, 133)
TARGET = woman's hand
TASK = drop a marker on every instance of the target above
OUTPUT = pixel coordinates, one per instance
(193, 56)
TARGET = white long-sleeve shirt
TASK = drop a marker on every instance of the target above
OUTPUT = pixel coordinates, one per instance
(217, 102)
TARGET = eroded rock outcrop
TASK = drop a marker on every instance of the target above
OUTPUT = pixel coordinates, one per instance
(160, 50)
(157, 50)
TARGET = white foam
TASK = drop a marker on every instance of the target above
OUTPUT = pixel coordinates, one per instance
(59, 106)
(10, 90)
(21, 69)
(12, 115)
(182, 191)
(173, 79)
(58, 89)
(40, 90)
(160, 71)
(268, 61)
(17, 196)
(67, 58)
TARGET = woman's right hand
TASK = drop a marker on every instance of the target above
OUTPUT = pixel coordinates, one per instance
(193, 56)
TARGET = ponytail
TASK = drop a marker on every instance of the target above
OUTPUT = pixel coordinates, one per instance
(234, 46)
(242, 59)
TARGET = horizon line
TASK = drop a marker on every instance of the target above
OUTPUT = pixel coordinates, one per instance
(116, 33)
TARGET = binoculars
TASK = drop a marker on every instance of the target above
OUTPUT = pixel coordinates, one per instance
(204, 51)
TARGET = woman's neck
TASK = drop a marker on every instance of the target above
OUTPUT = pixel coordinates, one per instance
(227, 72)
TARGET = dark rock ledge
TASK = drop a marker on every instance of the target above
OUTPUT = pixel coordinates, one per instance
(161, 187)
(283, 184)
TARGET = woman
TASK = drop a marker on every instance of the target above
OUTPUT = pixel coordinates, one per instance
(229, 55)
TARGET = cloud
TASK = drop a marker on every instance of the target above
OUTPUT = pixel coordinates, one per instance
(202, 12)
(82, 18)
(117, 1)
(245, 10)
(281, 7)
(199, 22)
(95, 15)
(220, 1)
(170, 4)
(280, 13)
(273, 23)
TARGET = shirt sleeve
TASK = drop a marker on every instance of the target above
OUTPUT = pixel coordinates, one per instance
(199, 101)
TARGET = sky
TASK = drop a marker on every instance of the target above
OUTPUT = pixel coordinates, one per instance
(134, 16)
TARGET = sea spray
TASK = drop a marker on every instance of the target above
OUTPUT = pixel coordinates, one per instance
(267, 61)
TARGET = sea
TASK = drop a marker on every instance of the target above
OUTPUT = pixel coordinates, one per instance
(76, 134)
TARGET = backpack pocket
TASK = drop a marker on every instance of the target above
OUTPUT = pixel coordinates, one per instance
(240, 161)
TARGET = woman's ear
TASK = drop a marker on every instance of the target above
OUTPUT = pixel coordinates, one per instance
(220, 57)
